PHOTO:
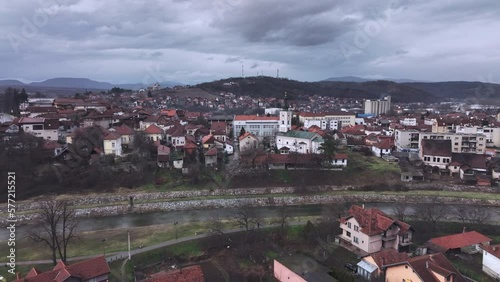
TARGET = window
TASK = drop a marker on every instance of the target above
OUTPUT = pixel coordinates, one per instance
(356, 240)
(113, 144)
(348, 234)
(37, 127)
(356, 228)
(349, 224)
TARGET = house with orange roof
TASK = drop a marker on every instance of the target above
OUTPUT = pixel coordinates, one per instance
(426, 268)
(371, 230)
(153, 133)
(94, 269)
(469, 242)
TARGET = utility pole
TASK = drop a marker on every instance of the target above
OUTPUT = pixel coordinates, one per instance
(129, 257)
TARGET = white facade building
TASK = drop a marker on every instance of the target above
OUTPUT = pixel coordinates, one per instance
(285, 121)
(408, 122)
(407, 140)
(492, 134)
(302, 142)
(260, 126)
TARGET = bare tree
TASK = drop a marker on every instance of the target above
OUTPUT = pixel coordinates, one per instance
(245, 217)
(431, 212)
(282, 219)
(57, 227)
(472, 214)
(400, 209)
(215, 226)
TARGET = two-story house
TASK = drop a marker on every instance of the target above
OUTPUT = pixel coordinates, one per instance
(427, 268)
(371, 230)
(112, 144)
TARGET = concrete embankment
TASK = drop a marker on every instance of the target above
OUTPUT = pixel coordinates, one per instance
(116, 204)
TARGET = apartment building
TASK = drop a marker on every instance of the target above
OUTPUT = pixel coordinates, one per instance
(377, 107)
(460, 143)
(407, 140)
(492, 134)
(340, 119)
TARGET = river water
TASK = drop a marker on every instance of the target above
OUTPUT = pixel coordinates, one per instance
(147, 219)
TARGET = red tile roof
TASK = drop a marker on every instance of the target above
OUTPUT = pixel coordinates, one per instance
(112, 136)
(153, 129)
(424, 266)
(373, 221)
(84, 270)
(211, 152)
(460, 240)
(247, 134)
(125, 130)
(187, 274)
(492, 249)
(389, 256)
(340, 157)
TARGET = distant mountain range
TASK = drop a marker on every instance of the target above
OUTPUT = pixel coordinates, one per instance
(359, 79)
(401, 90)
(82, 83)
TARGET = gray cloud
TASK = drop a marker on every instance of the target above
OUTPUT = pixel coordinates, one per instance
(191, 41)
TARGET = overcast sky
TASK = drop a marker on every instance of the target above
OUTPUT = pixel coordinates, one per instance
(189, 41)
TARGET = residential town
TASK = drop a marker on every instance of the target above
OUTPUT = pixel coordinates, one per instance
(135, 132)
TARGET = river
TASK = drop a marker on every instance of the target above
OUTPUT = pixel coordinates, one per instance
(147, 219)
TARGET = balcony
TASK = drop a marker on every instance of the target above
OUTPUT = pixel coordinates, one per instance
(405, 243)
(389, 238)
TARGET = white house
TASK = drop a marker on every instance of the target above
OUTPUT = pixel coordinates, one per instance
(126, 132)
(229, 147)
(154, 133)
(381, 148)
(40, 127)
(248, 141)
(303, 142)
(491, 260)
(436, 153)
(371, 230)
(113, 144)
(340, 160)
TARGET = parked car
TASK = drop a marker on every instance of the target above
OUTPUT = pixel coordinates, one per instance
(351, 267)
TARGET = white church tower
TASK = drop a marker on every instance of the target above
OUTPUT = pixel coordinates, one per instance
(285, 118)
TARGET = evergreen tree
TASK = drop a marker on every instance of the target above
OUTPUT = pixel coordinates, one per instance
(242, 131)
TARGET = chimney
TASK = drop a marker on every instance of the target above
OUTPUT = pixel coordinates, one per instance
(463, 230)
(494, 248)
(363, 205)
(426, 264)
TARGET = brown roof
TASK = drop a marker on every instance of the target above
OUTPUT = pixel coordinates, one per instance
(492, 249)
(459, 240)
(84, 270)
(441, 148)
(389, 256)
(475, 161)
(218, 125)
(112, 136)
(373, 221)
(211, 152)
(153, 129)
(124, 130)
(247, 134)
(187, 274)
(425, 265)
